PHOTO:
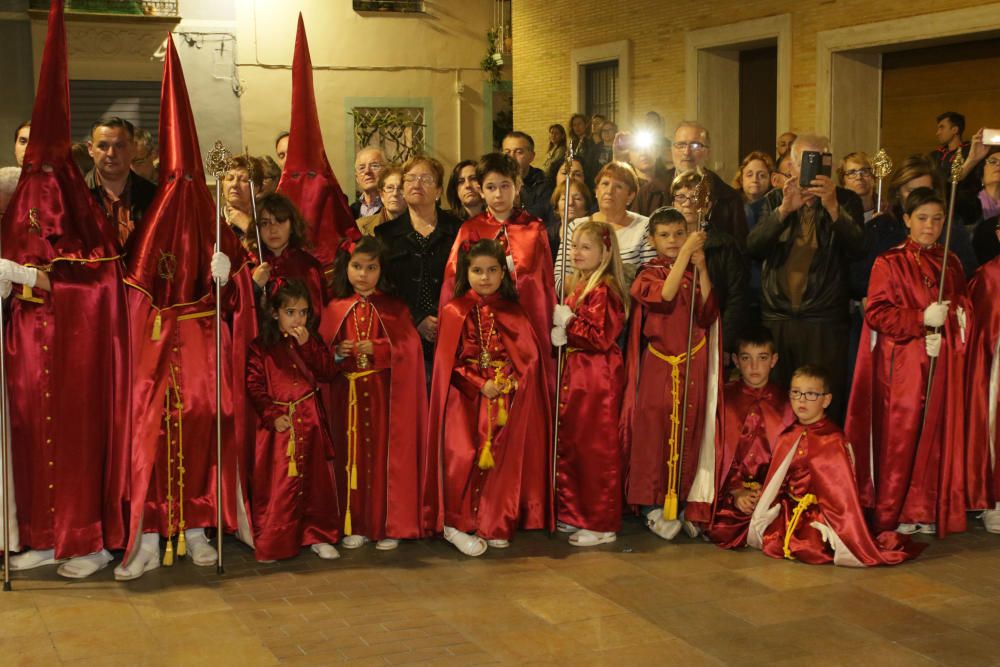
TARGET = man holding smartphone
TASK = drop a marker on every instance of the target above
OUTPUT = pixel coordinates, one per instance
(807, 232)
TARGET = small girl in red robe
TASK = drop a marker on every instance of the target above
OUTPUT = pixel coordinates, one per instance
(912, 457)
(293, 493)
(756, 411)
(523, 238)
(809, 509)
(672, 473)
(380, 358)
(590, 460)
(490, 411)
(284, 255)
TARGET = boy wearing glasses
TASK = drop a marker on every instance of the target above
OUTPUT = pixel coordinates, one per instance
(756, 410)
(809, 509)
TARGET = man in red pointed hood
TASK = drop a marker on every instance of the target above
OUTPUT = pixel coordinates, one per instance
(66, 345)
(172, 307)
(308, 179)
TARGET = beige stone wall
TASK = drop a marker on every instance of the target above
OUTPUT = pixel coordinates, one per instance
(546, 31)
(365, 56)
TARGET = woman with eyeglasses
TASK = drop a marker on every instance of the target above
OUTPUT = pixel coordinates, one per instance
(390, 189)
(418, 243)
(855, 173)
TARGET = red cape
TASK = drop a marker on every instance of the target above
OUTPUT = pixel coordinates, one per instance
(407, 403)
(902, 470)
(983, 381)
(833, 483)
(528, 433)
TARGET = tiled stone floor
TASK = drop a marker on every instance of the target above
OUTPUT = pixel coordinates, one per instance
(640, 601)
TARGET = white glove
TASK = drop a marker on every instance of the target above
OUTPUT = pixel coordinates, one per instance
(960, 316)
(935, 314)
(5, 288)
(18, 273)
(221, 267)
(558, 336)
(932, 343)
(561, 315)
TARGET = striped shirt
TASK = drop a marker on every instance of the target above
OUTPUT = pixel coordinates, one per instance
(633, 244)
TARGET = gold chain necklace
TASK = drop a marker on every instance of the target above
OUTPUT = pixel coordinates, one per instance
(484, 343)
(362, 360)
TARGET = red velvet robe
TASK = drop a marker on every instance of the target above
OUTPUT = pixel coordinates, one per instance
(391, 409)
(752, 420)
(650, 400)
(590, 462)
(291, 511)
(517, 491)
(298, 264)
(983, 381)
(526, 243)
(817, 459)
(905, 475)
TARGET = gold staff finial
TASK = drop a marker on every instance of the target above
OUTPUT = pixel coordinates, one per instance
(218, 159)
(882, 164)
(956, 166)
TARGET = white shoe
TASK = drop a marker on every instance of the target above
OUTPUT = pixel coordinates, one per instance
(665, 528)
(927, 528)
(32, 559)
(470, 545)
(692, 530)
(907, 528)
(386, 544)
(590, 538)
(147, 558)
(353, 541)
(200, 549)
(991, 520)
(498, 544)
(82, 567)
(565, 527)
(325, 550)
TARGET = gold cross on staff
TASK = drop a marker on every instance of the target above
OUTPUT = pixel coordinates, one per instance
(218, 159)
(882, 164)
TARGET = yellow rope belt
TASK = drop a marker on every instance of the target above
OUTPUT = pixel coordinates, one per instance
(352, 439)
(158, 320)
(178, 405)
(293, 471)
(803, 503)
(670, 501)
(506, 385)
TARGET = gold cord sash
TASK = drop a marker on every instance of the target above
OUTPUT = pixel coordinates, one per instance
(352, 439)
(803, 503)
(293, 470)
(670, 501)
(178, 405)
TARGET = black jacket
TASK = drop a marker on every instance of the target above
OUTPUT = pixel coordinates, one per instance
(536, 193)
(839, 241)
(729, 273)
(408, 266)
(726, 214)
(141, 193)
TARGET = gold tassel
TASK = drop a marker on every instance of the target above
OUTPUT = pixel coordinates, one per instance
(168, 554)
(502, 412)
(354, 477)
(347, 523)
(670, 506)
(486, 455)
(293, 470)
(157, 326)
(181, 543)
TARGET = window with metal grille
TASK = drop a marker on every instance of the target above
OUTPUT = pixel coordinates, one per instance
(398, 131)
(602, 89)
(130, 7)
(399, 6)
(136, 101)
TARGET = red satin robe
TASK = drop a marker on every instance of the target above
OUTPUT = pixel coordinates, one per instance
(298, 264)
(590, 462)
(388, 411)
(906, 475)
(752, 421)
(517, 491)
(290, 511)
(526, 243)
(651, 399)
(983, 381)
(817, 460)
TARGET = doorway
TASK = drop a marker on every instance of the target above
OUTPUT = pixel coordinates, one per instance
(758, 100)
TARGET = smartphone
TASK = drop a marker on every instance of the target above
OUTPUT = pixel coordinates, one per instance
(814, 164)
(991, 137)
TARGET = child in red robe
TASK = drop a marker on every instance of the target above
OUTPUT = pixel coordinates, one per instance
(809, 509)
(664, 476)
(984, 384)
(755, 413)
(382, 443)
(590, 460)
(284, 255)
(523, 238)
(293, 493)
(490, 413)
(912, 453)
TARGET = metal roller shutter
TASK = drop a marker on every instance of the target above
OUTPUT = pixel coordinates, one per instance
(136, 101)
